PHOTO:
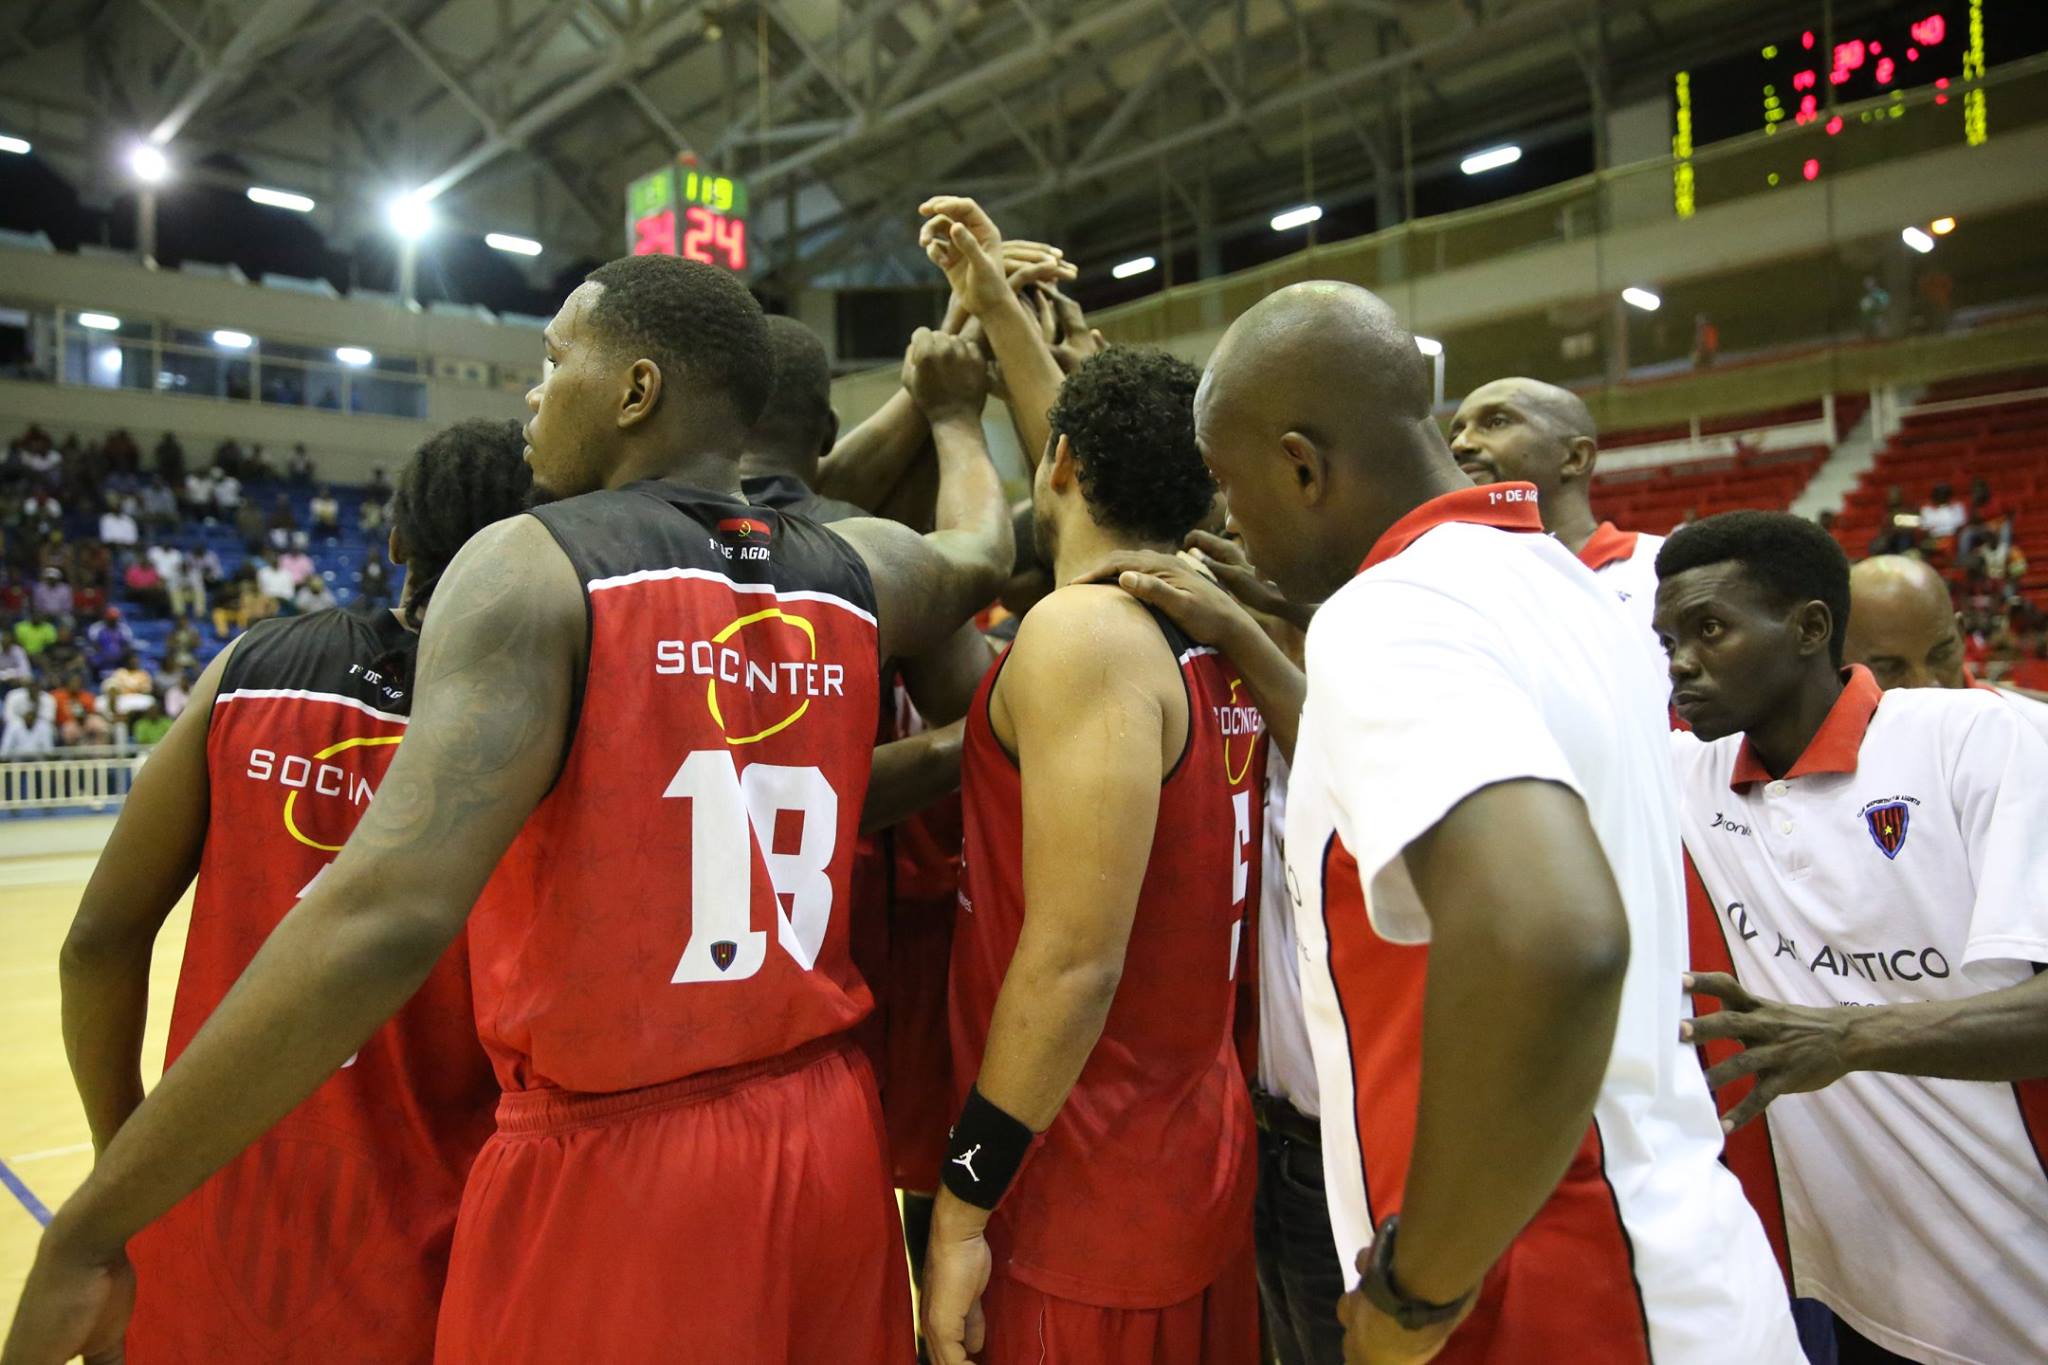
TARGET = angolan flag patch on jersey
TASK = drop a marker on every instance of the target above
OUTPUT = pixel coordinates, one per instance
(745, 528)
(1888, 826)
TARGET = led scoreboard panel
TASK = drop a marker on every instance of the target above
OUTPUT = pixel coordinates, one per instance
(681, 210)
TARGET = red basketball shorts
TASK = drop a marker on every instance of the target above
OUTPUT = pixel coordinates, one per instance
(1219, 1326)
(742, 1215)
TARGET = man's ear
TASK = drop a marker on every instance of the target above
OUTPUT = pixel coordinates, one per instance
(1816, 626)
(1062, 471)
(1580, 453)
(1307, 465)
(642, 393)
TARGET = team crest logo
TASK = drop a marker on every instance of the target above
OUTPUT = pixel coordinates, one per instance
(1887, 824)
(722, 953)
(745, 528)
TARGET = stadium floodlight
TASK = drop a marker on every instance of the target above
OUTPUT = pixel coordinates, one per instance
(17, 145)
(110, 359)
(1492, 159)
(148, 163)
(1294, 218)
(281, 199)
(411, 216)
(1918, 240)
(1942, 227)
(1637, 297)
(353, 355)
(505, 241)
(1137, 265)
(232, 340)
(100, 322)
(1429, 346)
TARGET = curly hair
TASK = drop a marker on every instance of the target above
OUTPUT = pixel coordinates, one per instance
(696, 321)
(1790, 558)
(1128, 414)
(459, 481)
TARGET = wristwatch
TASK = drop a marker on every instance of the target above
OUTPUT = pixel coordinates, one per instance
(1383, 1293)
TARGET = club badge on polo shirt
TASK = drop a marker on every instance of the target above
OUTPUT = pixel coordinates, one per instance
(1888, 819)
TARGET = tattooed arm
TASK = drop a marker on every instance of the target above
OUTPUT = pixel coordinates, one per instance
(502, 646)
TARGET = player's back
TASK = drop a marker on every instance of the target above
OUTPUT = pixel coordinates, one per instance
(328, 1238)
(676, 903)
(1139, 1193)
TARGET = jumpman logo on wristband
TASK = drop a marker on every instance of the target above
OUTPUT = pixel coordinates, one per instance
(966, 1159)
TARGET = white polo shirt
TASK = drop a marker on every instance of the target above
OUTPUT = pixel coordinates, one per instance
(2034, 713)
(1903, 858)
(1470, 650)
(1626, 561)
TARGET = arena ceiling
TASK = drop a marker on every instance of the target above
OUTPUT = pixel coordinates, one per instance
(1097, 122)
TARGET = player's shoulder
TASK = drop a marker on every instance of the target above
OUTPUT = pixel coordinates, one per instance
(1091, 630)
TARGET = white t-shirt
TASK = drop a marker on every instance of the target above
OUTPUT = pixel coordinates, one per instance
(1903, 858)
(275, 582)
(1287, 1068)
(1463, 655)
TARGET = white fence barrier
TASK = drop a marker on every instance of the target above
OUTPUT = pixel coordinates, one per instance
(73, 779)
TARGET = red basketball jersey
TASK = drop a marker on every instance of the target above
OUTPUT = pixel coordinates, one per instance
(678, 902)
(1140, 1193)
(327, 1240)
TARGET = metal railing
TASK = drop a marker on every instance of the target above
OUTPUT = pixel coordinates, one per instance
(87, 778)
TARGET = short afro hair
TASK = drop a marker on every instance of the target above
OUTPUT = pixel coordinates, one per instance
(1128, 414)
(696, 321)
(1789, 557)
(798, 417)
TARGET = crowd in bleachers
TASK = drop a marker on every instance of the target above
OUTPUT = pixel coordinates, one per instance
(121, 576)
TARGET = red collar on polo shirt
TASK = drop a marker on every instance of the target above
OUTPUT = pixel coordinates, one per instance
(1607, 545)
(1508, 506)
(1835, 745)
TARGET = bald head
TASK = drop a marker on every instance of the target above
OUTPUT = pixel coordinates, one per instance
(1902, 625)
(1314, 418)
(1525, 429)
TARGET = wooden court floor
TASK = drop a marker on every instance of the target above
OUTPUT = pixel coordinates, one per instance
(42, 1131)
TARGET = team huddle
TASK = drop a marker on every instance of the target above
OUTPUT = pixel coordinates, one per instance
(1356, 906)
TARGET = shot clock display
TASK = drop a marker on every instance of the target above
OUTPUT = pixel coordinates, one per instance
(682, 210)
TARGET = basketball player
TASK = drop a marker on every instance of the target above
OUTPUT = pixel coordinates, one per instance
(1539, 433)
(1110, 788)
(1520, 1164)
(1874, 860)
(643, 716)
(1903, 627)
(327, 1240)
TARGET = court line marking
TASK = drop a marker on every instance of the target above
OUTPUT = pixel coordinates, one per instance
(49, 1152)
(27, 1196)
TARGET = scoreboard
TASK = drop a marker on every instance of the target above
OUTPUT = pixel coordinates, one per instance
(683, 210)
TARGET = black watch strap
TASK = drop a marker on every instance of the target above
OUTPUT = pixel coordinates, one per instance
(1383, 1293)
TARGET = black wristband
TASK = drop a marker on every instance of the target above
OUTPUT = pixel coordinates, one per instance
(983, 1152)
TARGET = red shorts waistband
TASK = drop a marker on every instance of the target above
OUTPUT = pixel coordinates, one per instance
(530, 1113)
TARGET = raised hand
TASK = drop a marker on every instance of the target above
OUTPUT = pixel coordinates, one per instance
(947, 375)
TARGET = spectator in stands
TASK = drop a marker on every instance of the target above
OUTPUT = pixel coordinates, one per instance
(31, 723)
(79, 718)
(379, 487)
(117, 526)
(1706, 342)
(376, 578)
(251, 527)
(169, 563)
(16, 667)
(313, 595)
(159, 507)
(227, 493)
(122, 453)
(170, 461)
(258, 468)
(299, 468)
(2004, 565)
(35, 633)
(150, 726)
(1874, 308)
(1987, 521)
(202, 571)
(298, 564)
(64, 654)
(326, 515)
(128, 688)
(13, 594)
(41, 512)
(176, 689)
(370, 516)
(274, 581)
(282, 522)
(181, 648)
(197, 499)
(108, 640)
(53, 596)
(143, 584)
(1944, 514)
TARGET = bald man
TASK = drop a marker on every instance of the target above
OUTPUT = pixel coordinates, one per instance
(1903, 627)
(1520, 1156)
(1526, 429)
